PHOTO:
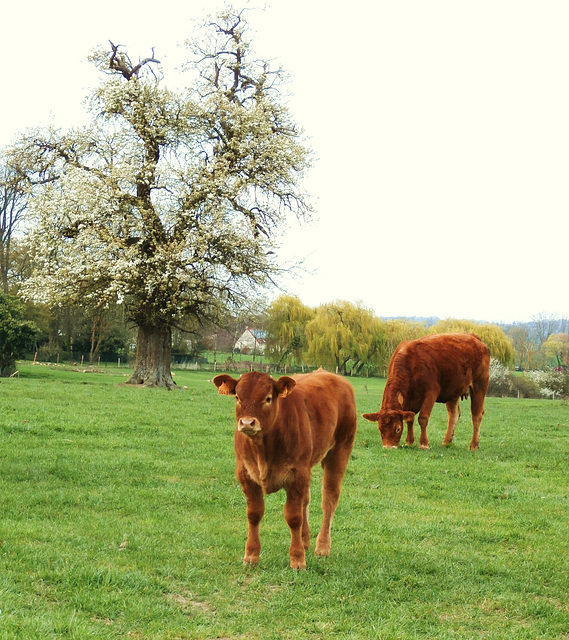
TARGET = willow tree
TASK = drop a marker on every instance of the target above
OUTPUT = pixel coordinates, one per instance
(286, 321)
(557, 347)
(339, 332)
(168, 201)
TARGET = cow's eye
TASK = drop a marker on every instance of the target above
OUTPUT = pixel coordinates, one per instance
(237, 399)
(268, 400)
(398, 428)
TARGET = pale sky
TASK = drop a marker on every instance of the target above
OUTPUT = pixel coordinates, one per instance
(440, 129)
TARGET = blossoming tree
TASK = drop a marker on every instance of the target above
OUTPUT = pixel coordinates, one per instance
(169, 201)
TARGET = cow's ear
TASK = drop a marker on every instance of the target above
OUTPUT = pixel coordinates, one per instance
(225, 384)
(372, 417)
(284, 386)
(408, 416)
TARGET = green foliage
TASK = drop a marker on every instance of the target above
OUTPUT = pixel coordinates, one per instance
(556, 347)
(16, 334)
(286, 321)
(129, 523)
(393, 332)
(339, 332)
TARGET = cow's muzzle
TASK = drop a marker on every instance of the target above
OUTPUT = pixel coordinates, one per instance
(248, 426)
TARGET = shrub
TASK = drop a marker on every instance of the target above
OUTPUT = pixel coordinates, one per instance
(549, 383)
(16, 334)
(525, 387)
(500, 379)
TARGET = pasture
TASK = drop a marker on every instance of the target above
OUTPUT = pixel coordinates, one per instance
(120, 517)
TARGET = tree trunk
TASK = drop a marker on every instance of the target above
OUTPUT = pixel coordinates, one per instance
(97, 329)
(153, 358)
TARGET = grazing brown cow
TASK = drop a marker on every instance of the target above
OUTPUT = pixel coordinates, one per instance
(438, 368)
(284, 427)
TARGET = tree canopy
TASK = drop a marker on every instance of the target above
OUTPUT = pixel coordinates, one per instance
(168, 201)
(286, 321)
(17, 335)
(557, 347)
(340, 331)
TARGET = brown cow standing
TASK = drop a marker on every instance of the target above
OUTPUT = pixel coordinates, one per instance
(283, 428)
(438, 368)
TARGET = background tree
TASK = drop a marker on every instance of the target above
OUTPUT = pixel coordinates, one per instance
(13, 204)
(372, 359)
(339, 332)
(500, 346)
(168, 202)
(395, 331)
(526, 344)
(17, 335)
(557, 347)
(286, 323)
(544, 325)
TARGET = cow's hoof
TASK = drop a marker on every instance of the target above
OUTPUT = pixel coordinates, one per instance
(323, 545)
(424, 446)
(298, 565)
(252, 560)
(322, 551)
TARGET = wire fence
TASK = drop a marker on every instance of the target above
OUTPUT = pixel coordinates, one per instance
(239, 363)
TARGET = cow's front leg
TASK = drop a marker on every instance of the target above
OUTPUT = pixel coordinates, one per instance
(410, 433)
(424, 415)
(255, 511)
(423, 422)
(294, 513)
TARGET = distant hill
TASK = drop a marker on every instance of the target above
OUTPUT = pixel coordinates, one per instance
(541, 326)
(429, 322)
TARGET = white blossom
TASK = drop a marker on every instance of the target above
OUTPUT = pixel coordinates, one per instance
(168, 201)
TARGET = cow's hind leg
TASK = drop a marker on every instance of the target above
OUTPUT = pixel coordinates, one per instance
(477, 410)
(305, 525)
(453, 408)
(255, 511)
(334, 465)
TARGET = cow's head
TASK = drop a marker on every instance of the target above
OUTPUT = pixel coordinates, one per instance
(390, 425)
(256, 399)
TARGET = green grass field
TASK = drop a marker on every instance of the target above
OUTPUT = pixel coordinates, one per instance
(120, 518)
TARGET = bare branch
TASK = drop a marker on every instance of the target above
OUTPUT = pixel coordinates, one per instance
(121, 63)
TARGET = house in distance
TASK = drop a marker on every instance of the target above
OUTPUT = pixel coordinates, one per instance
(252, 341)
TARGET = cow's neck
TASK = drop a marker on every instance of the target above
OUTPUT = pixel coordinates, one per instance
(259, 449)
(266, 452)
(396, 394)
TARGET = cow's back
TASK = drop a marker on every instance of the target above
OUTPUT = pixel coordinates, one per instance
(329, 404)
(455, 361)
